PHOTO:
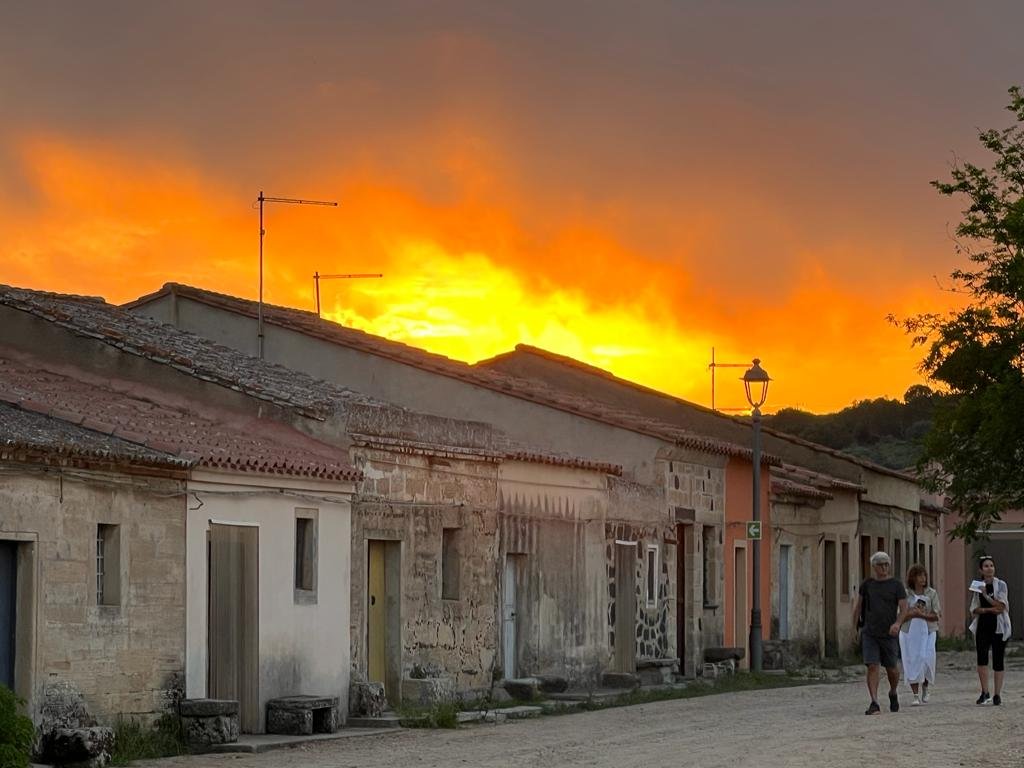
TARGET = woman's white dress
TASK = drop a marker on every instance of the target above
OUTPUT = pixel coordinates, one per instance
(917, 648)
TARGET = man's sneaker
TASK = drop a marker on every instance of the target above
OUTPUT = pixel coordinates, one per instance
(924, 693)
(916, 702)
(996, 700)
(894, 701)
(983, 698)
(874, 709)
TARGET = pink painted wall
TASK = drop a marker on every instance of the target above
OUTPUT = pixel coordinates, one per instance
(739, 508)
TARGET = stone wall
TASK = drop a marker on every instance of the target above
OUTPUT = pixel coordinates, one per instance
(128, 658)
(411, 498)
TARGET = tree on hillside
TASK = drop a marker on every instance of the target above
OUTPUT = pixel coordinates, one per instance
(974, 452)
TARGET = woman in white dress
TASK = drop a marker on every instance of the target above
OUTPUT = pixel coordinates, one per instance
(918, 632)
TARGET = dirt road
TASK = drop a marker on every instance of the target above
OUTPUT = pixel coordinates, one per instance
(821, 726)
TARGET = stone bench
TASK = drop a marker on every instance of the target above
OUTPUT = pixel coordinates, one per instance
(656, 671)
(302, 715)
(209, 721)
(717, 655)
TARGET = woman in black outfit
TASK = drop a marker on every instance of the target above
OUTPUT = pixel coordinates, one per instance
(991, 626)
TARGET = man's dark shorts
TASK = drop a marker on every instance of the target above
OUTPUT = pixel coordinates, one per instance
(880, 650)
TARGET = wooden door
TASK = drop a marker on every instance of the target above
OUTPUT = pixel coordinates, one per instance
(625, 607)
(831, 589)
(8, 609)
(233, 630)
(509, 621)
(741, 616)
(682, 601)
(376, 613)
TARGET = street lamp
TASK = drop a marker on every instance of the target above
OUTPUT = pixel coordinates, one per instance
(755, 382)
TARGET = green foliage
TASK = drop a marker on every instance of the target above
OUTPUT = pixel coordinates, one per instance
(135, 741)
(17, 734)
(975, 448)
(964, 642)
(440, 716)
(885, 431)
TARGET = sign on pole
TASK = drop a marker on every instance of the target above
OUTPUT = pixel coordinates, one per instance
(754, 529)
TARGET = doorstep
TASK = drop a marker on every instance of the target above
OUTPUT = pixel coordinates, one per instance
(264, 742)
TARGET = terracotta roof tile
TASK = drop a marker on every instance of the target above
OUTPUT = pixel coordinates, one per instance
(168, 431)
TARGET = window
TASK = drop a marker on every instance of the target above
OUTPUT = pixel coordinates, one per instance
(897, 557)
(931, 564)
(844, 573)
(305, 555)
(920, 553)
(909, 558)
(652, 576)
(709, 545)
(865, 557)
(108, 564)
(450, 564)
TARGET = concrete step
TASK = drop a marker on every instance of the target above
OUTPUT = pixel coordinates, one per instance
(387, 720)
(264, 742)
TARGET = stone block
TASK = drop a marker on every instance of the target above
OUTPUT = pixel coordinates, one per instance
(206, 722)
(523, 689)
(78, 747)
(428, 692)
(302, 715)
(366, 700)
(626, 680)
(553, 684)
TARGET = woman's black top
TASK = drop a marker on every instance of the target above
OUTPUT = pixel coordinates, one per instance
(987, 621)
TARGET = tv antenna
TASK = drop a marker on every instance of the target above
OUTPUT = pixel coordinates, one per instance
(713, 365)
(317, 277)
(293, 201)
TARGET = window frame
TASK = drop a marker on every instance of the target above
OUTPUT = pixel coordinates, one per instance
(306, 555)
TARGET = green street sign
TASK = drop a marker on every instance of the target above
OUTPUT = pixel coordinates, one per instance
(754, 529)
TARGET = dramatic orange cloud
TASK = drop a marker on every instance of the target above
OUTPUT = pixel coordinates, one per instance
(470, 270)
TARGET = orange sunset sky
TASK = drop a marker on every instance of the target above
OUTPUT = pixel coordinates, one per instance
(630, 184)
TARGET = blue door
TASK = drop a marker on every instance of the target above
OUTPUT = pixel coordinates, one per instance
(8, 591)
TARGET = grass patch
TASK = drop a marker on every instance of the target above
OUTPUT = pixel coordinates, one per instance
(440, 716)
(135, 741)
(964, 642)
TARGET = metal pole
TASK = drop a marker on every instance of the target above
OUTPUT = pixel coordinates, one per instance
(259, 315)
(316, 282)
(755, 610)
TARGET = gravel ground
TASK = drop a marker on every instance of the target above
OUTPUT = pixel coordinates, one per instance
(819, 725)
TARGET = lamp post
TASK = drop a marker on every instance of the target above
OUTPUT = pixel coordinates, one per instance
(755, 382)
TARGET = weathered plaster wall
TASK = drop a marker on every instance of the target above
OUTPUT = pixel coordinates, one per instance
(411, 498)
(123, 658)
(554, 518)
(303, 647)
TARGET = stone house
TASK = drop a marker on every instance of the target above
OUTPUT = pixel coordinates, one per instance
(686, 470)
(232, 570)
(92, 556)
(429, 482)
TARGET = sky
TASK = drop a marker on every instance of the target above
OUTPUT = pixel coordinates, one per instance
(631, 184)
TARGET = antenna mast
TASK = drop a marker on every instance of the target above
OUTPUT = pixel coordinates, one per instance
(264, 199)
(317, 277)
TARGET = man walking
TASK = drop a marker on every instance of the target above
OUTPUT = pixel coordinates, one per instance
(878, 611)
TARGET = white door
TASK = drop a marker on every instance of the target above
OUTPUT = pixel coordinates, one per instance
(784, 555)
(508, 618)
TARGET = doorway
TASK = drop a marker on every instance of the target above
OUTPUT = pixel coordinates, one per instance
(625, 606)
(831, 588)
(740, 636)
(233, 628)
(8, 610)
(682, 604)
(785, 555)
(383, 616)
(510, 616)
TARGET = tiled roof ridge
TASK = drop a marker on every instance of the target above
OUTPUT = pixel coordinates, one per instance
(212, 454)
(158, 457)
(606, 374)
(791, 487)
(499, 381)
(564, 460)
(309, 404)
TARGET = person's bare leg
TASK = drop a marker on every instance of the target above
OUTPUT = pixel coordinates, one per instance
(872, 680)
(893, 673)
(914, 688)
